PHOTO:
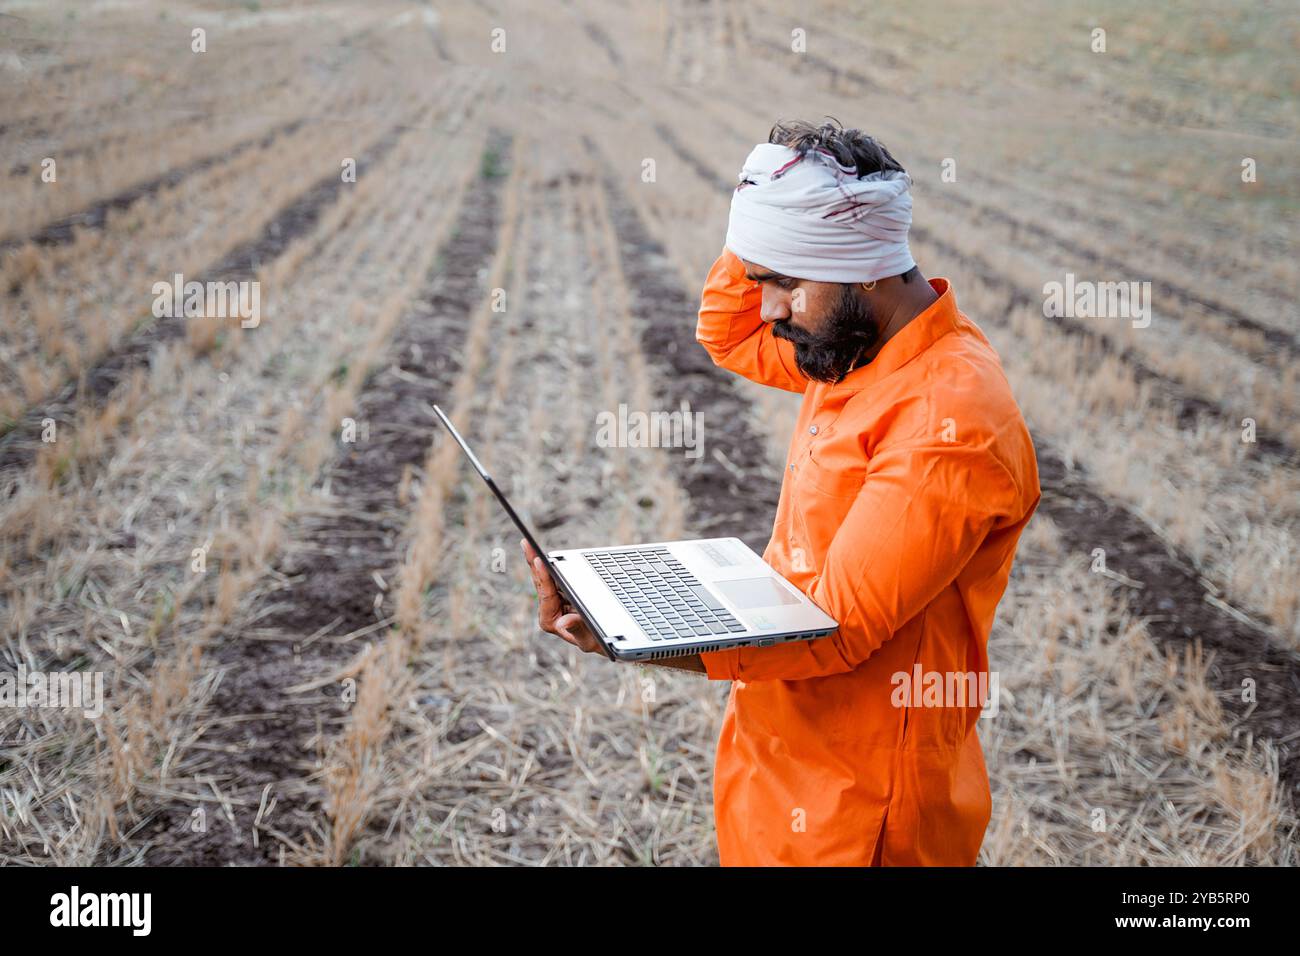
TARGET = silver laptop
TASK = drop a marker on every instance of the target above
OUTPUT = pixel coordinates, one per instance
(672, 598)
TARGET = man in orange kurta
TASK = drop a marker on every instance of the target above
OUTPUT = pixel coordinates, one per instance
(906, 487)
(908, 481)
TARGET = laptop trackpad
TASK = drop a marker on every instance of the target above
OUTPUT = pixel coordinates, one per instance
(750, 593)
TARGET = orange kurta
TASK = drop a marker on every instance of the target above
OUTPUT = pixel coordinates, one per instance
(905, 491)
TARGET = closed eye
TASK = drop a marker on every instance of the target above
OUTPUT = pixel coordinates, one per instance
(785, 282)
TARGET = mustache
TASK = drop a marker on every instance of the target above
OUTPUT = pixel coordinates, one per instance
(829, 353)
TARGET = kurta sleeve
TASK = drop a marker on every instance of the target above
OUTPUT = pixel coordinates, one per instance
(923, 511)
(735, 336)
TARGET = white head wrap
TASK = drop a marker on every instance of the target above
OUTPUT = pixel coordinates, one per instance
(813, 218)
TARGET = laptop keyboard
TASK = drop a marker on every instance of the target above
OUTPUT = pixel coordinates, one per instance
(661, 595)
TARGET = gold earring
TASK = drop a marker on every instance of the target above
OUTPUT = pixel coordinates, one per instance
(868, 286)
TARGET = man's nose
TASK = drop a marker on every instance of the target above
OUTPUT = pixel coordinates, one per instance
(776, 306)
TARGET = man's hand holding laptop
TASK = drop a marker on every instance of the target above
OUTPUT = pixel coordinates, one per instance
(556, 616)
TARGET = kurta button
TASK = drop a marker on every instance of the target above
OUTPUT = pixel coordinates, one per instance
(812, 429)
(792, 466)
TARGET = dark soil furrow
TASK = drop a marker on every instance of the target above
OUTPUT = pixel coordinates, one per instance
(840, 77)
(19, 446)
(732, 486)
(1061, 210)
(61, 231)
(1176, 604)
(697, 166)
(1188, 408)
(186, 117)
(1277, 339)
(602, 39)
(329, 575)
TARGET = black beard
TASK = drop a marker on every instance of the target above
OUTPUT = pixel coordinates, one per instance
(849, 330)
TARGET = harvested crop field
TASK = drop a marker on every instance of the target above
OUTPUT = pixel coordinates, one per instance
(317, 639)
